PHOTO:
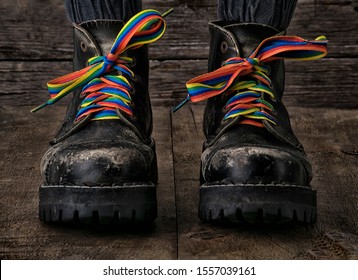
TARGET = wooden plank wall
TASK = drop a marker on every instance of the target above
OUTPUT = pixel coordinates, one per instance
(30, 45)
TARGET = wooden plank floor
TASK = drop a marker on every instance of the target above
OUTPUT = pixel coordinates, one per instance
(22, 236)
(323, 104)
(329, 146)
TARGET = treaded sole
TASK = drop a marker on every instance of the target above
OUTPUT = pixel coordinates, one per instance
(114, 205)
(257, 204)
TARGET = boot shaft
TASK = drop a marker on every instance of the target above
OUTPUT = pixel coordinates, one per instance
(95, 38)
(240, 40)
(236, 40)
(230, 40)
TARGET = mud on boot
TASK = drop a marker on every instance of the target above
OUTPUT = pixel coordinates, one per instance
(253, 168)
(102, 167)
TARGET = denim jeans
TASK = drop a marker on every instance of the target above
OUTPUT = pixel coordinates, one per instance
(276, 13)
(83, 10)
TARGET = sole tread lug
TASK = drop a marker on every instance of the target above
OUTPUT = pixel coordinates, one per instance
(258, 204)
(134, 204)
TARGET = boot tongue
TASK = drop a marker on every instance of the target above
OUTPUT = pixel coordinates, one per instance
(103, 32)
(250, 35)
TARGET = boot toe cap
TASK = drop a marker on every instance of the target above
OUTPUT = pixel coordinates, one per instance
(94, 164)
(253, 164)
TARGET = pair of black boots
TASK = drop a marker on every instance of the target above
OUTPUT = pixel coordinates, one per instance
(105, 171)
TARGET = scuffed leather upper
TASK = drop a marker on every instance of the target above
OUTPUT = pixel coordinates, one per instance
(236, 153)
(111, 151)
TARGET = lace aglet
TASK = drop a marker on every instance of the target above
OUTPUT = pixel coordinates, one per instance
(167, 13)
(39, 107)
(181, 104)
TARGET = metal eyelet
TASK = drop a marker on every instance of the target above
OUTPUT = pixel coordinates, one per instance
(132, 104)
(134, 78)
(134, 117)
(273, 99)
(225, 110)
(268, 70)
(83, 46)
(76, 121)
(223, 121)
(224, 46)
(134, 62)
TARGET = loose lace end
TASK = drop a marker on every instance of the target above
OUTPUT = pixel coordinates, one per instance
(181, 104)
(39, 107)
(167, 13)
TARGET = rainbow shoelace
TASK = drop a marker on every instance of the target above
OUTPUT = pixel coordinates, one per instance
(247, 96)
(105, 93)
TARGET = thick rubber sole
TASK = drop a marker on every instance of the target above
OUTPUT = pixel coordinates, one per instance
(115, 205)
(257, 204)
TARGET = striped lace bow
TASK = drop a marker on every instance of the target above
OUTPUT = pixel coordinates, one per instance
(247, 94)
(103, 93)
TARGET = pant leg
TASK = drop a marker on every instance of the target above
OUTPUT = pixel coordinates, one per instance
(276, 13)
(83, 10)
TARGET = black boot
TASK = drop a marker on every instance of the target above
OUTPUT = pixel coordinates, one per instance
(252, 169)
(103, 171)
